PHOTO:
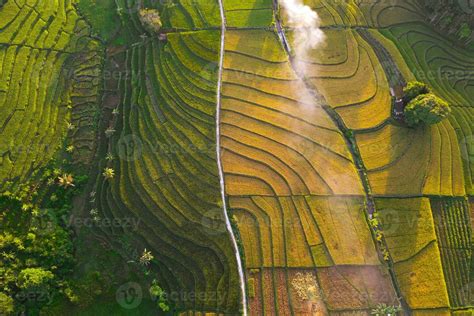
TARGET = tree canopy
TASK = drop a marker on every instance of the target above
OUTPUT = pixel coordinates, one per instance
(34, 278)
(150, 18)
(6, 304)
(36, 247)
(426, 108)
(414, 89)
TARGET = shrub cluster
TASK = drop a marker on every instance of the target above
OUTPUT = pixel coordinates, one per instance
(150, 19)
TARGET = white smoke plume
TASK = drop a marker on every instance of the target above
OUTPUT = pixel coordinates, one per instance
(307, 34)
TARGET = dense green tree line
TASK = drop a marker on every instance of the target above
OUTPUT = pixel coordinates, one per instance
(36, 246)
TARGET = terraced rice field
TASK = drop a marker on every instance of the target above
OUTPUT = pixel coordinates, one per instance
(449, 71)
(388, 151)
(409, 230)
(291, 182)
(191, 14)
(366, 13)
(298, 232)
(39, 46)
(269, 140)
(168, 106)
(248, 14)
(432, 152)
(461, 122)
(85, 94)
(272, 145)
(303, 159)
(348, 74)
(454, 232)
(351, 77)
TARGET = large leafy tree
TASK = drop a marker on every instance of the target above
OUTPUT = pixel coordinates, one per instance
(6, 304)
(414, 89)
(32, 279)
(426, 108)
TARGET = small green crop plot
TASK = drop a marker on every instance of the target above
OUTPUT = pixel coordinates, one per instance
(454, 235)
(38, 50)
(248, 14)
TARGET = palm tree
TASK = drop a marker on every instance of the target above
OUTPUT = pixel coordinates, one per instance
(146, 257)
(385, 310)
(66, 180)
(108, 173)
(94, 214)
(109, 132)
(109, 157)
(70, 126)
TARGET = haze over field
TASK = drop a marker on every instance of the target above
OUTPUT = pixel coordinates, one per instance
(307, 36)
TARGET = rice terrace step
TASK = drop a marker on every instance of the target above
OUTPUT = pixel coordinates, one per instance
(236, 157)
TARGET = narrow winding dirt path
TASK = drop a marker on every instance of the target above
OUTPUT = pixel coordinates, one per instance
(219, 161)
(390, 67)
